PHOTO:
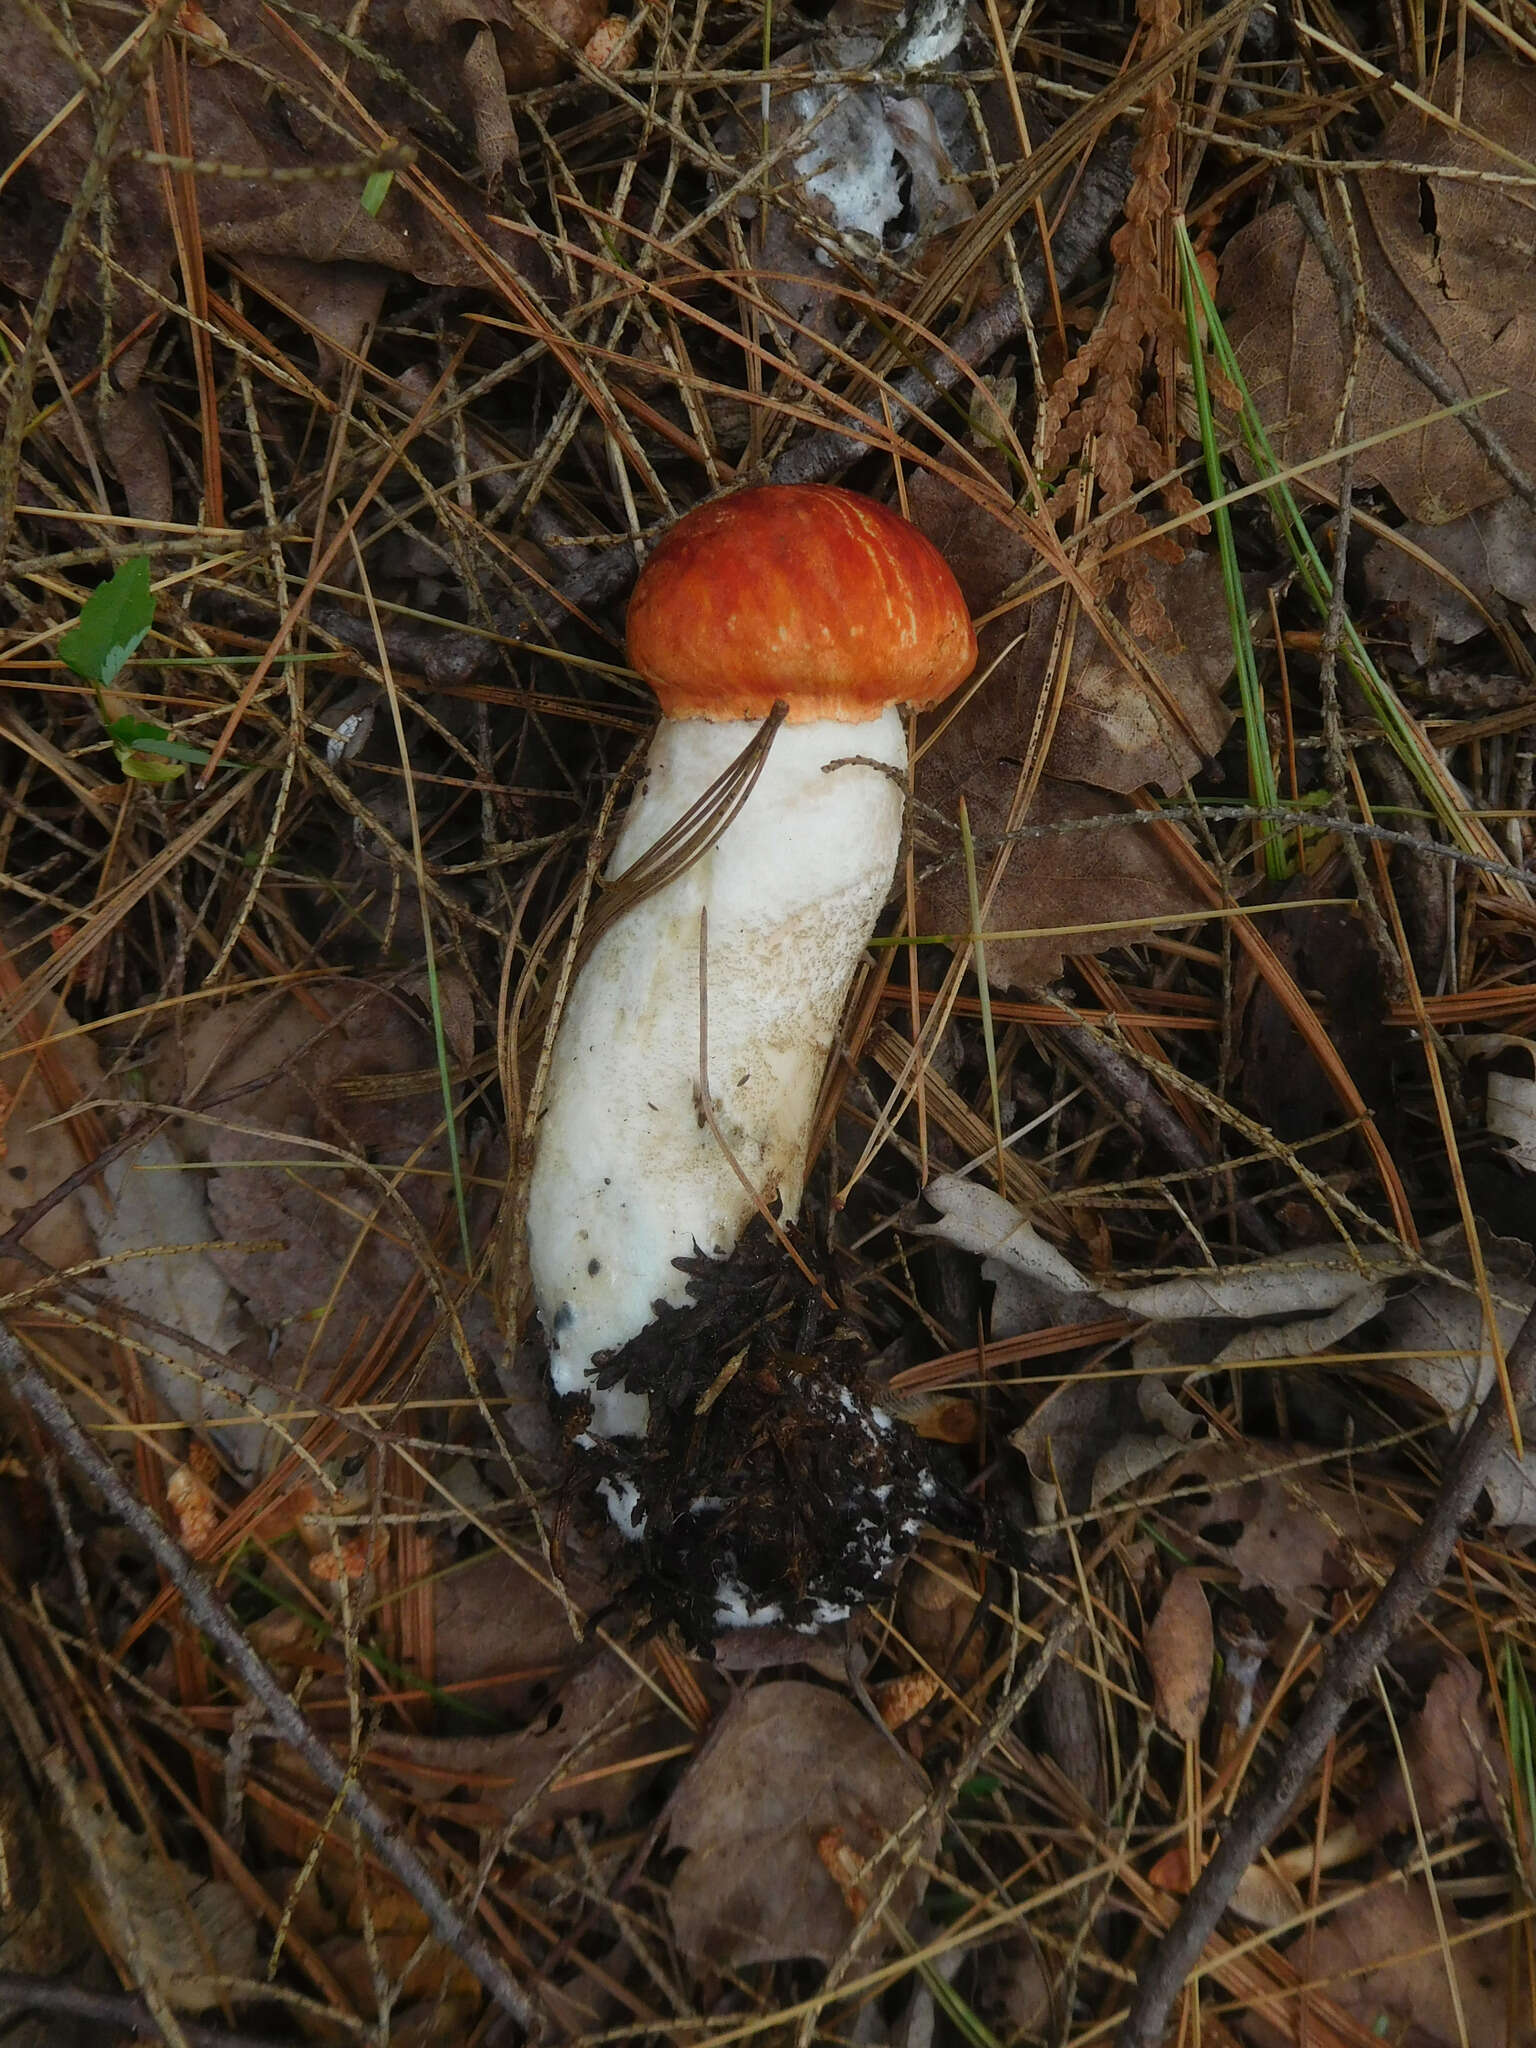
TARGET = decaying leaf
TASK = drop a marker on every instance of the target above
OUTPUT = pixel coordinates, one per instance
(790, 1762)
(575, 1758)
(1492, 552)
(1448, 1353)
(1180, 1646)
(143, 1217)
(871, 162)
(1307, 1282)
(976, 1219)
(252, 107)
(43, 1929)
(186, 1938)
(940, 1592)
(1080, 888)
(499, 1632)
(1447, 260)
(1077, 1425)
(1327, 951)
(1511, 1093)
(1454, 1759)
(1015, 1988)
(1383, 1958)
(322, 1123)
(1114, 733)
(1297, 1283)
(1276, 1520)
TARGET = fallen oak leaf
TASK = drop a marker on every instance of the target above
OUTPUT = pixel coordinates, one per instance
(1067, 892)
(251, 109)
(1491, 553)
(592, 1750)
(182, 1936)
(1453, 1759)
(789, 1763)
(1386, 1958)
(1447, 1353)
(1084, 890)
(1447, 262)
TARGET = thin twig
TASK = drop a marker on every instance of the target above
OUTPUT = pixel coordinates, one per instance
(830, 451)
(20, 1993)
(209, 1613)
(1345, 1676)
(1136, 1097)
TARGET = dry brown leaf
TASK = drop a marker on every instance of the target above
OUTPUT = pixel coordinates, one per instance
(1447, 1352)
(183, 1936)
(1064, 1440)
(40, 1149)
(449, 1996)
(575, 1758)
(1492, 552)
(1447, 262)
(1180, 1645)
(1068, 892)
(1380, 1957)
(1279, 1523)
(42, 1928)
(1453, 1755)
(941, 1589)
(313, 1126)
(252, 108)
(533, 43)
(1112, 735)
(492, 1620)
(140, 1216)
(336, 302)
(1329, 954)
(133, 437)
(790, 1763)
(1014, 1988)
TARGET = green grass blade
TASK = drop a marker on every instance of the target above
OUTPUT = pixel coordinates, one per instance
(1314, 575)
(1262, 781)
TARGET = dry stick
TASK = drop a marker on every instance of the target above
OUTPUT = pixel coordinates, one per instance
(210, 1614)
(1137, 1098)
(1345, 1675)
(20, 1993)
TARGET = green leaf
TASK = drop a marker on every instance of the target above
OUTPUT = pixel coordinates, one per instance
(113, 623)
(143, 748)
(376, 191)
(173, 750)
(140, 768)
(129, 731)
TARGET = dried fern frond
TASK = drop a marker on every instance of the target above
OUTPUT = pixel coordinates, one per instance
(1101, 402)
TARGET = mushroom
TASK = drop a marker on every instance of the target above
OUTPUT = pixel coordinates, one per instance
(733, 974)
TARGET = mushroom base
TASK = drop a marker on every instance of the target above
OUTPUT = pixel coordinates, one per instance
(772, 1487)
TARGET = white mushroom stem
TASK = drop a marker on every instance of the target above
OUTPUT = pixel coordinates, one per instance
(628, 1175)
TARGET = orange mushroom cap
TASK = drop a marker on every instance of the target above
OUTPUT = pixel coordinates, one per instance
(802, 593)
